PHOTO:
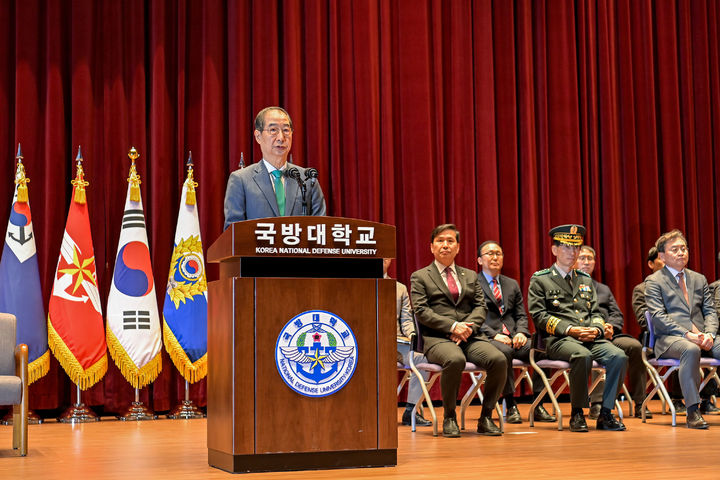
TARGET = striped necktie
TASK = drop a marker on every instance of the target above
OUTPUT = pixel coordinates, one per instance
(498, 295)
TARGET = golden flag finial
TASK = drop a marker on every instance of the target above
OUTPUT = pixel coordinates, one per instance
(20, 179)
(190, 183)
(79, 183)
(134, 178)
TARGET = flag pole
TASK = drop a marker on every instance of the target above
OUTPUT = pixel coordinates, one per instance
(137, 410)
(186, 409)
(79, 412)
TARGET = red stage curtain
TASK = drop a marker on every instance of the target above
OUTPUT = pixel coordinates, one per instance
(503, 117)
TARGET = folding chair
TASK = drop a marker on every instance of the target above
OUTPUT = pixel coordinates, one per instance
(524, 375)
(652, 364)
(406, 376)
(435, 370)
(561, 369)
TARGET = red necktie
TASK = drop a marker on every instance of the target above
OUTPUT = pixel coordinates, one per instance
(452, 286)
(498, 295)
(681, 281)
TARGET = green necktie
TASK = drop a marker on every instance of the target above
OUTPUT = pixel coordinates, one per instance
(279, 191)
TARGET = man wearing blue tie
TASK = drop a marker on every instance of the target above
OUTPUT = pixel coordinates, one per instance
(263, 189)
(506, 324)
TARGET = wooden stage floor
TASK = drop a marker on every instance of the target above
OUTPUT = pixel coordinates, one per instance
(176, 449)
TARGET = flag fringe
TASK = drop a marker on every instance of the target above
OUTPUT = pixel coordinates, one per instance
(83, 378)
(39, 367)
(192, 372)
(137, 377)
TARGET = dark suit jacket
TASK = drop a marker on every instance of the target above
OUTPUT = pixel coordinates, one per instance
(608, 307)
(638, 304)
(249, 194)
(435, 309)
(514, 316)
(672, 316)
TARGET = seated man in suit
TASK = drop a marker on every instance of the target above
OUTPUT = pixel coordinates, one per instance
(563, 304)
(264, 189)
(684, 318)
(655, 263)
(405, 328)
(614, 322)
(506, 324)
(450, 306)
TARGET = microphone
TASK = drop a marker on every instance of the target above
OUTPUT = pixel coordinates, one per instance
(293, 172)
(311, 173)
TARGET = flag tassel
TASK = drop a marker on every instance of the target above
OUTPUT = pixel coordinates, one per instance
(192, 372)
(137, 377)
(39, 367)
(83, 378)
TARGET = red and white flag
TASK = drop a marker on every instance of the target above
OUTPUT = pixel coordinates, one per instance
(75, 323)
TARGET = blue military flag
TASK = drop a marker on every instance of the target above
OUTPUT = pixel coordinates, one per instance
(185, 309)
(20, 291)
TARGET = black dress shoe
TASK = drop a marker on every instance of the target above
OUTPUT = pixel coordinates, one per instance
(542, 415)
(513, 415)
(577, 423)
(707, 408)
(695, 420)
(638, 411)
(450, 427)
(594, 412)
(487, 427)
(607, 421)
(679, 407)
(419, 419)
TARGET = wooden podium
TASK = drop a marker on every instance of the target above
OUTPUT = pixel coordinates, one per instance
(272, 271)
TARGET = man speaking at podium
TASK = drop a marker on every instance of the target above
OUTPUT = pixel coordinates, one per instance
(272, 187)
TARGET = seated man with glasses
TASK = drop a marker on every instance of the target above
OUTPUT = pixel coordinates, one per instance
(506, 324)
(563, 304)
(684, 317)
(264, 189)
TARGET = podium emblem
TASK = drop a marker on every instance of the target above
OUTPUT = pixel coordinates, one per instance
(316, 353)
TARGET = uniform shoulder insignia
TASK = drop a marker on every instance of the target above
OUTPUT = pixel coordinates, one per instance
(582, 274)
(541, 272)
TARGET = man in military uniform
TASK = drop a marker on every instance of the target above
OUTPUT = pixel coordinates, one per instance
(563, 305)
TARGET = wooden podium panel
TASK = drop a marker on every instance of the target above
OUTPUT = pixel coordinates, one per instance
(289, 420)
(256, 422)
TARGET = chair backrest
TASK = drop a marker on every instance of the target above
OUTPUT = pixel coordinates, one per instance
(650, 329)
(8, 341)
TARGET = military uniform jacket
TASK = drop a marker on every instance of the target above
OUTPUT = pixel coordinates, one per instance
(555, 306)
(434, 306)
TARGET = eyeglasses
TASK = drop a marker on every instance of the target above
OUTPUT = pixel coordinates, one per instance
(494, 253)
(274, 131)
(677, 249)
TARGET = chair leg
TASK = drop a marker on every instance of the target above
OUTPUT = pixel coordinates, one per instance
(630, 401)
(20, 427)
(467, 398)
(425, 386)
